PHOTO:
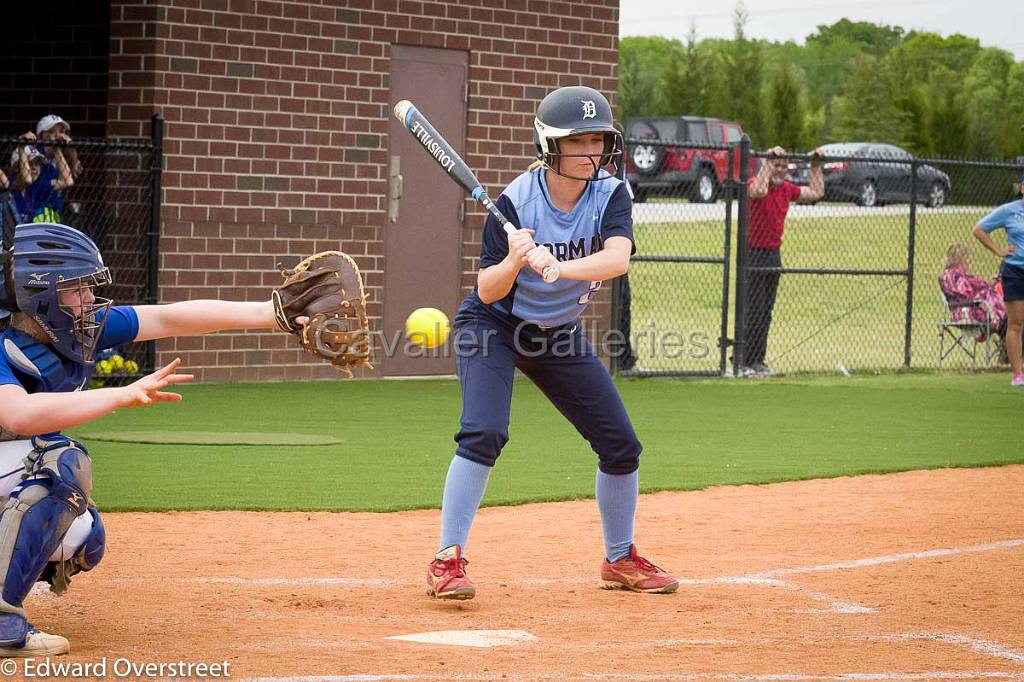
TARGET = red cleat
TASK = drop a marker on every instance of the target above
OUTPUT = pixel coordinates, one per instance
(636, 574)
(446, 576)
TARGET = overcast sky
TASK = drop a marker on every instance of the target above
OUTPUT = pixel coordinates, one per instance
(996, 23)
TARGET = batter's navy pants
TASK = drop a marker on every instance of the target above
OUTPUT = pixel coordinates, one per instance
(560, 361)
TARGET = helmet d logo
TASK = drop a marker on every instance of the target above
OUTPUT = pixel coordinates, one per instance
(589, 109)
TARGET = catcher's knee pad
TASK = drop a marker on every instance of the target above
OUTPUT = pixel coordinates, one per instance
(39, 513)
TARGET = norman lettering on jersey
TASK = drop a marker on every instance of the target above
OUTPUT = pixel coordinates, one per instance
(604, 210)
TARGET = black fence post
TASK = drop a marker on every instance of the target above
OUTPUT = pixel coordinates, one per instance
(730, 192)
(739, 341)
(911, 240)
(153, 233)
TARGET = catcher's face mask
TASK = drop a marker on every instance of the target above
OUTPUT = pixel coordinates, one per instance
(88, 313)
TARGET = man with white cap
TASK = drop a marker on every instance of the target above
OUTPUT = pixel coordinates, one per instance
(52, 128)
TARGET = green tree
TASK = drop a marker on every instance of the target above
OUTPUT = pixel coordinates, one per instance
(1012, 142)
(643, 63)
(744, 74)
(786, 110)
(867, 108)
(984, 93)
(827, 53)
(689, 77)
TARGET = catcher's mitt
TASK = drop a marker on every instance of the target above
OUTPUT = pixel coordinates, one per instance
(327, 289)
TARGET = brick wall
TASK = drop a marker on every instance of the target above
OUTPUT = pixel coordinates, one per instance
(276, 137)
(53, 59)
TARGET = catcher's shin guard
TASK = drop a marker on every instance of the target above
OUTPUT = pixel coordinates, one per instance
(39, 513)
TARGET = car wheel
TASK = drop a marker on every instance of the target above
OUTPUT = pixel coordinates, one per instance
(704, 189)
(937, 195)
(868, 195)
(647, 158)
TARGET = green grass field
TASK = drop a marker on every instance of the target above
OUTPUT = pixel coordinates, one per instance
(397, 439)
(819, 321)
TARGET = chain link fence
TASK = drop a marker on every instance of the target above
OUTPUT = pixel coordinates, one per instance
(855, 286)
(110, 190)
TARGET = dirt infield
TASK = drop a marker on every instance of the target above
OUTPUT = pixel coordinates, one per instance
(906, 576)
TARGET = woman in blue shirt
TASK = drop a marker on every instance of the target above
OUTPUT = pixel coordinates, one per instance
(1009, 217)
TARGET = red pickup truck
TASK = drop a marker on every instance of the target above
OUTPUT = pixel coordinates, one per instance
(669, 167)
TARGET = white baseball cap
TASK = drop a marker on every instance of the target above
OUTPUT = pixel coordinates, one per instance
(47, 123)
(31, 152)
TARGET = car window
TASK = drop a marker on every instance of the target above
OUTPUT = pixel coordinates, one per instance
(663, 129)
(888, 151)
(845, 149)
(734, 133)
(716, 134)
(667, 130)
(698, 133)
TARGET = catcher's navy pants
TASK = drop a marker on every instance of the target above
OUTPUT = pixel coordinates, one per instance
(490, 346)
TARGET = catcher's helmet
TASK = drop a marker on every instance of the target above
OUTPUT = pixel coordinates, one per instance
(43, 260)
(576, 110)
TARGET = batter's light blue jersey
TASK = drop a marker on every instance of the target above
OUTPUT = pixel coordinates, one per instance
(605, 210)
(1010, 217)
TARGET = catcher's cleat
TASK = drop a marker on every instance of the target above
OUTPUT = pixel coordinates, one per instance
(37, 643)
(446, 576)
(636, 574)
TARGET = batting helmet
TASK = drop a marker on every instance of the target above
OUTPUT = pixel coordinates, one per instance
(576, 110)
(44, 261)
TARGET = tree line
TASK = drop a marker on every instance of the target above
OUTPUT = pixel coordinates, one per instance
(849, 81)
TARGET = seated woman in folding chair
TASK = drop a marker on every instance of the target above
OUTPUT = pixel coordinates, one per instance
(960, 285)
(1009, 217)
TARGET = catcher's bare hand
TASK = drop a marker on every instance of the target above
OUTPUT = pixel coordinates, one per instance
(149, 389)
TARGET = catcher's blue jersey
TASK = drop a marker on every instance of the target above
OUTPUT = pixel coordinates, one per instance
(122, 326)
(605, 210)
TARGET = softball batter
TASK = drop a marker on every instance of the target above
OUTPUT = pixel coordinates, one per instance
(578, 218)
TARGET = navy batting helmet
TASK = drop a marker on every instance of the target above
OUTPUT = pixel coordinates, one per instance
(49, 274)
(576, 110)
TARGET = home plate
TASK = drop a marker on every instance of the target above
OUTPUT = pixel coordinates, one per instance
(477, 638)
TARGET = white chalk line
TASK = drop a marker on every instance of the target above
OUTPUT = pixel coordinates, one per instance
(769, 577)
(888, 559)
(978, 645)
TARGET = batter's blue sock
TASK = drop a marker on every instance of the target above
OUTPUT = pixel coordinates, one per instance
(616, 498)
(463, 489)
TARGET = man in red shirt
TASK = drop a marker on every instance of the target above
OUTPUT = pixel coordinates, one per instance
(770, 195)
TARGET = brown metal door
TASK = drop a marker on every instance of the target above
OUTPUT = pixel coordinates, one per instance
(423, 242)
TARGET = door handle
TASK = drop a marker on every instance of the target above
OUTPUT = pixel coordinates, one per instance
(394, 187)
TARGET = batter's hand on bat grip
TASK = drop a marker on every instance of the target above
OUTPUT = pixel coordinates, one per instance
(538, 257)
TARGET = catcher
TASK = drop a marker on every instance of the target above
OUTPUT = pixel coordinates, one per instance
(49, 527)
